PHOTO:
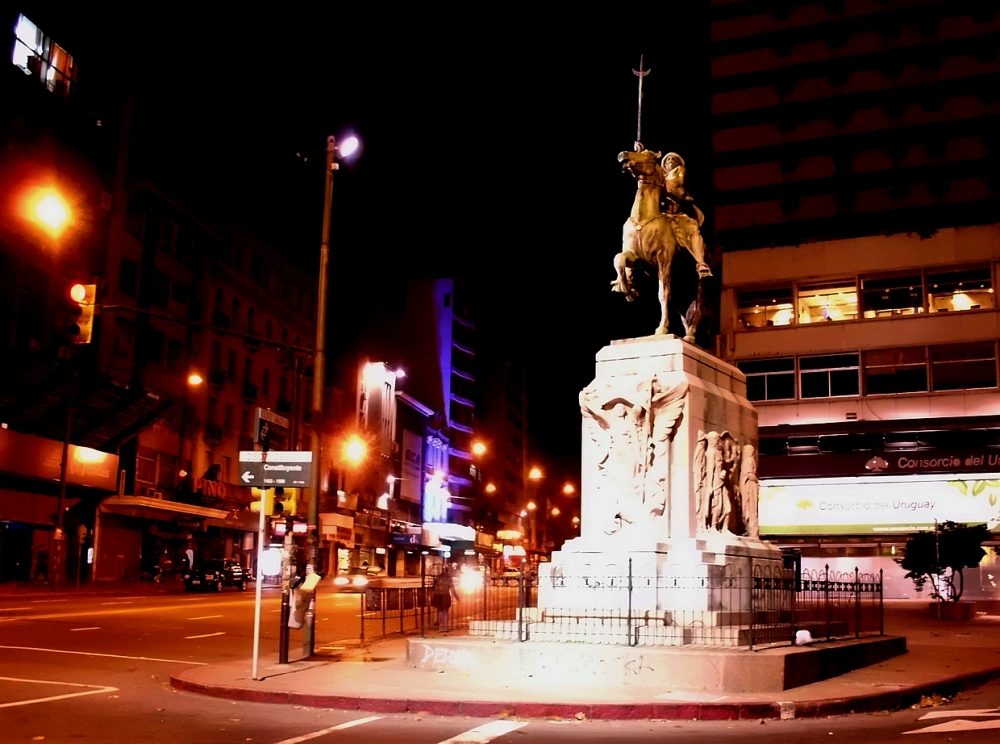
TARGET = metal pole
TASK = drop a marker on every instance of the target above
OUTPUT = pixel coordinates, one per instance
(423, 592)
(319, 372)
(629, 625)
(520, 605)
(857, 603)
(286, 592)
(260, 586)
(57, 564)
(881, 606)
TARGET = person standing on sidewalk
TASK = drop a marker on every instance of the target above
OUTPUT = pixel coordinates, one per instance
(442, 592)
(42, 567)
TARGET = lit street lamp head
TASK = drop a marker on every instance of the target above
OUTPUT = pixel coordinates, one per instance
(348, 147)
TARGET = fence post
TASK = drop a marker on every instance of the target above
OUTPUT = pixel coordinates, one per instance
(826, 599)
(881, 612)
(362, 595)
(423, 593)
(520, 606)
(857, 603)
(795, 586)
(629, 620)
(753, 616)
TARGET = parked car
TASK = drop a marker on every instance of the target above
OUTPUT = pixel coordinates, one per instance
(356, 579)
(215, 574)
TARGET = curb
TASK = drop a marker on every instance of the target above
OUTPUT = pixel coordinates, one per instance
(894, 700)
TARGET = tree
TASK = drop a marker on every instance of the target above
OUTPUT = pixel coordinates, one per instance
(940, 557)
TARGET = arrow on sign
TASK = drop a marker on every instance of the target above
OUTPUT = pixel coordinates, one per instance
(960, 724)
(247, 476)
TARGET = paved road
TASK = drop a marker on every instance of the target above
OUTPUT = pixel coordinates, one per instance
(96, 668)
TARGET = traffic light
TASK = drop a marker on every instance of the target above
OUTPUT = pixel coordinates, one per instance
(288, 500)
(81, 312)
(265, 501)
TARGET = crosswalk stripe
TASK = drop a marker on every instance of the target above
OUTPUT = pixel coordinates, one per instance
(485, 733)
(338, 727)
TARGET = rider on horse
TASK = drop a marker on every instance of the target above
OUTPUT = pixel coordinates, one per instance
(678, 201)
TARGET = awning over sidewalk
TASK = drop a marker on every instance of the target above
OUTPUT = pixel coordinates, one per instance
(145, 507)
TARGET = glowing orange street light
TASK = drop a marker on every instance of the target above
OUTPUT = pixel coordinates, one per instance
(479, 449)
(355, 449)
(555, 511)
(535, 474)
(490, 488)
(195, 379)
(576, 521)
(531, 506)
(568, 489)
(47, 208)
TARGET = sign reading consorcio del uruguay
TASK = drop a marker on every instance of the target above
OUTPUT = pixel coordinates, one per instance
(877, 504)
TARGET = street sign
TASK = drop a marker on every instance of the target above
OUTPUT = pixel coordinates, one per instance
(270, 430)
(274, 469)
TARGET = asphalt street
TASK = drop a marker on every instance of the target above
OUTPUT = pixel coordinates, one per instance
(96, 668)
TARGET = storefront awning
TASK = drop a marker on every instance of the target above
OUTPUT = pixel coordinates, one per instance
(160, 509)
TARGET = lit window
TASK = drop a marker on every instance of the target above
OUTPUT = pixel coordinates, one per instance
(38, 55)
(761, 309)
(885, 297)
(964, 366)
(955, 290)
(819, 303)
(829, 376)
(895, 371)
(769, 379)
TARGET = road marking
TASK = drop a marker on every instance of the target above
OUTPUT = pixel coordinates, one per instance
(105, 604)
(46, 601)
(204, 635)
(129, 611)
(339, 727)
(93, 627)
(972, 713)
(95, 689)
(959, 724)
(204, 617)
(12, 609)
(106, 656)
(485, 733)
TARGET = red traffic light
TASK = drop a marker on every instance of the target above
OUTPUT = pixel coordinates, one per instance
(81, 312)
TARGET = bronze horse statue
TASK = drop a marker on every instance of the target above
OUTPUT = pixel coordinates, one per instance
(650, 235)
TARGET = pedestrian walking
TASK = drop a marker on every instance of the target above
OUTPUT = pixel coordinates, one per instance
(442, 592)
(42, 567)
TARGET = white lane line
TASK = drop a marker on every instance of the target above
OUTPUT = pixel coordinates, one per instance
(129, 611)
(204, 617)
(93, 627)
(12, 609)
(94, 690)
(958, 725)
(106, 656)
(485, 733)
(105, 604)
(969, 713)
(47, 601)
(204, 635)
(339, 727)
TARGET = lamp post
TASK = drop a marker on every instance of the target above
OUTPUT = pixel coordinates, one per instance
(348, 146)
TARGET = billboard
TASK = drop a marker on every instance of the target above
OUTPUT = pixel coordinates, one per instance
(412, 481)
(877, 504)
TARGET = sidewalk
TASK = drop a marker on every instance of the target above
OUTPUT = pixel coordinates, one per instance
(943, 658)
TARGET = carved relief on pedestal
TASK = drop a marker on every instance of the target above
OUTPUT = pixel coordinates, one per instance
(631, 426)
(725, 485)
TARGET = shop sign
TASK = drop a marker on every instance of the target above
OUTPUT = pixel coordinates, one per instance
(880, 463)
(876, 504)
(412, 467)
(405, 539)
(210, 488)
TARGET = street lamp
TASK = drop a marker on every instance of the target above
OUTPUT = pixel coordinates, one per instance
(348, 147)
(479, 449)
(47, 208)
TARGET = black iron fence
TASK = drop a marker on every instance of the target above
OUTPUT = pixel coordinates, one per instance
(744, 604)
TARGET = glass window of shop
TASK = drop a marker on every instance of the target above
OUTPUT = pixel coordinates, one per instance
(959, 289)
(763, 309)
(829, 376)
(829, 301)
(769, 379)
(963, 366)
(886, 297)
(889, 371)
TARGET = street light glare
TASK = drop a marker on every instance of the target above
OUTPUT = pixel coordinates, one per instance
(490, 488)
(568, 489)
(535, 474)
(78, 293)
(531, 506)
(195, 379)
(355, 449)
(348, 147)
(478, 448)
(52, 212)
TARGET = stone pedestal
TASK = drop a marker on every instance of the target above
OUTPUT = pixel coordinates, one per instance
(668, 492)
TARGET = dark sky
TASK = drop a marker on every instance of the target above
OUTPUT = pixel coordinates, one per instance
(489, 149)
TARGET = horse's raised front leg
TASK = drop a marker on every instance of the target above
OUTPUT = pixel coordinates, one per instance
(664, 294)
(623, 275)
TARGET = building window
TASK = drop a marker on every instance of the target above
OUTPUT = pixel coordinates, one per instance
(161, 290)
(216, 355)
(36, 54)
(265, 382)
(145, 465)
(128, 278)
(245, 421)
(231, 368)
(761, 309)
(247, 371)
(251, 320)
(829, 376)
(769, 379)
(884, 297)
(960, 289)
(964, 366)
(819, 303)
(226, 467)
(228, 420)
(179, 293)
(895, 371)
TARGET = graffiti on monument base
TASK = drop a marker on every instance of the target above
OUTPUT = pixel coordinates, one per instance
(449, 658)
(625, 667)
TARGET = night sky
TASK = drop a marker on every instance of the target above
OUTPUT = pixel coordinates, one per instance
(490, 144)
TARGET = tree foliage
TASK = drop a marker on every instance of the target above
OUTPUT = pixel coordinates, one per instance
(940, 557)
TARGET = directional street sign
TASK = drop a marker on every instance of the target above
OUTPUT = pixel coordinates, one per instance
(276, 469)
(270, 430)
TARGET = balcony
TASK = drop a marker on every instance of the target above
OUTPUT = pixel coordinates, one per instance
(213, 434)
(284, 406)
(220, 320)
(249, 392)
(216, 377)
(252, 344)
